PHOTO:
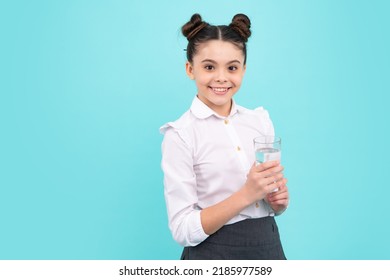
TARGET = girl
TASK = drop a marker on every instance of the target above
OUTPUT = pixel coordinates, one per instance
(221, 205)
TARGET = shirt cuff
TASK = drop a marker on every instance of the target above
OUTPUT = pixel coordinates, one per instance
(195, 231)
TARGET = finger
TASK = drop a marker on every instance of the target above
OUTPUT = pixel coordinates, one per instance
(278, 196)
(273, 180)
(266, 165)
(282, 185)
(283, 202)
(280, 188)
(254, 167)
(271, 188)
(271, 171)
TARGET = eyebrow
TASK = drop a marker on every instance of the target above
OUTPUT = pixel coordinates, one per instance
(213, 61)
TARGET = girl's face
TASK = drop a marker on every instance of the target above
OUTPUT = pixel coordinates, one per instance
(218, 69)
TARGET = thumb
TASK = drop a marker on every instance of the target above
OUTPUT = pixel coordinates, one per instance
(253, 167)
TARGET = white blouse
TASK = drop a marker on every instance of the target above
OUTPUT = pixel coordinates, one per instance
(205, 159)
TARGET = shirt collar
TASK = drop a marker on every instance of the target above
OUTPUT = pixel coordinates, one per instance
(202, 111)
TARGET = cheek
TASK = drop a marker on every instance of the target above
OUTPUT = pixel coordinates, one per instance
(201, 84)
(203, 80)
(238, 80)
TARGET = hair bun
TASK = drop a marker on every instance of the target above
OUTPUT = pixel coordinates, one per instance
(241, 24)
(191, 28)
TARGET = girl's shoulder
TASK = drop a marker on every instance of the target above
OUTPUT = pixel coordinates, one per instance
(184, 121)
(259, 112)
(258, 118)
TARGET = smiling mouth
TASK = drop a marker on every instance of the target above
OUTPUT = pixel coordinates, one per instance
(220, 90)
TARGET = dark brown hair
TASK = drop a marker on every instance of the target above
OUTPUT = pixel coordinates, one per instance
(198, 31)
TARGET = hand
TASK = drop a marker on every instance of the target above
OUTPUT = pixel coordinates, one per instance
(262, 179)
(279, 200)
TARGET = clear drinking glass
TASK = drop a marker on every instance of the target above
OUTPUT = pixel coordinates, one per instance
(267, 148)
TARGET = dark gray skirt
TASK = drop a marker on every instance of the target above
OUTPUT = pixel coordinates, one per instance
(251, 239)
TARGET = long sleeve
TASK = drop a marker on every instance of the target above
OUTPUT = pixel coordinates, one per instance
(180, 190)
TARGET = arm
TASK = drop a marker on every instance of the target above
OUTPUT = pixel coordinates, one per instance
(260, 182)
(180, 189)
(190, 225)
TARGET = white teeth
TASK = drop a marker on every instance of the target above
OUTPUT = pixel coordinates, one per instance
(220, 89)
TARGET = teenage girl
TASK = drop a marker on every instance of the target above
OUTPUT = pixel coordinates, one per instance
(221, 205)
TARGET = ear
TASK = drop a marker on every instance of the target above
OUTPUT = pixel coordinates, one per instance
(190, 70)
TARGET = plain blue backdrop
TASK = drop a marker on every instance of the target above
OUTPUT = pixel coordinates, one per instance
(85, 85)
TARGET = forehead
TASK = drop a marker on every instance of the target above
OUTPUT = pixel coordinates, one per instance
(219, 51)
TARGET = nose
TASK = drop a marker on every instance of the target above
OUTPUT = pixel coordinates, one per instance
(220, 77)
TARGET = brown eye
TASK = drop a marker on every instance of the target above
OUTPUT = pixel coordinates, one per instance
(233, 68)
(209, 67)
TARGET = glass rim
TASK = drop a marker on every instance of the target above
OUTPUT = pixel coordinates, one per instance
(264, 137)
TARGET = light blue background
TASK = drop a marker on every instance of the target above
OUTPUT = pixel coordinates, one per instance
(85, 86)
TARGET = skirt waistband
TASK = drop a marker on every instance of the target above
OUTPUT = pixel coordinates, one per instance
(249, 232)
